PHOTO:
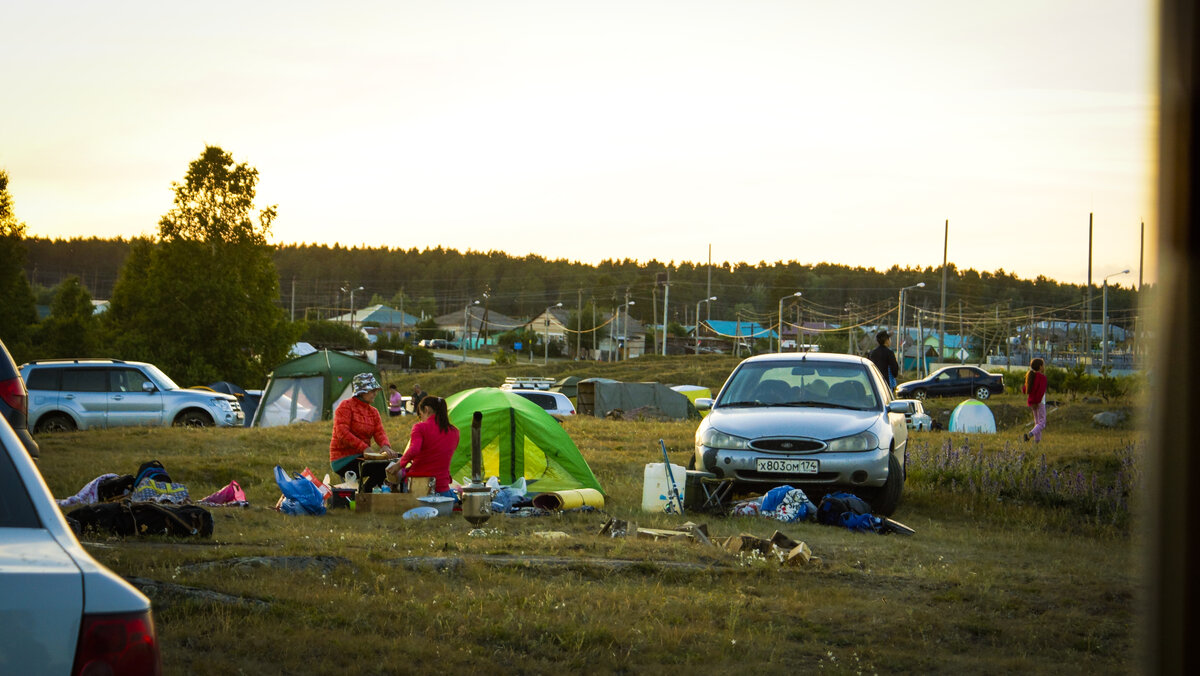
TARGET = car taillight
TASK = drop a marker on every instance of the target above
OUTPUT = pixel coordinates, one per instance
(12, 391)
(117, 644)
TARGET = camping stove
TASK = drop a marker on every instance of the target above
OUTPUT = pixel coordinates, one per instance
(477, 498)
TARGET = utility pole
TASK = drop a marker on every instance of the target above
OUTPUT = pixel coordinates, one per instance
(708, 289)
(942, 318)
(293, 297)
(1088, 330)
(579, 325)
(666, 298)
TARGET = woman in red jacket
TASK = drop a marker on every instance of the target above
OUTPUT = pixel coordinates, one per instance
(1035, 388)
(355, 423)
(430, 448)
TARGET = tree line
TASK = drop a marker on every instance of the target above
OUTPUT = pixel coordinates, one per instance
(212, 297)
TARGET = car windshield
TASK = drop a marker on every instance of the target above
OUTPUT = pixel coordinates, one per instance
(800, 384)
(161, 379)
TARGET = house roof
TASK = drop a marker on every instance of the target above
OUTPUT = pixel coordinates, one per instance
(379, 314)
(723, 327)
(495, 320)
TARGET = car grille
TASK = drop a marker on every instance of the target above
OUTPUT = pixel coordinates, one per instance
(235, 405)
(787, 445)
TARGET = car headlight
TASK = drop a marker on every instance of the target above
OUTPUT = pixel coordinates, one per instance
(863, 441)
(222, 404)
(715, 438)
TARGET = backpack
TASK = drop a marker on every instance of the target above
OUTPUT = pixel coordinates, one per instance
(143, 518)
(152, 469)
(849, 511)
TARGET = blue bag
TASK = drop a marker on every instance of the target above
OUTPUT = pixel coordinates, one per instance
(300, 496)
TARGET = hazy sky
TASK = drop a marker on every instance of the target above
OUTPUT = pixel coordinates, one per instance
(800, 130)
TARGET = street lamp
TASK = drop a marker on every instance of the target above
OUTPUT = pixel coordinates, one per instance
(466, 327)
(900, 321)
(624, 331)
(779, 342)
(344, 289)
(1104, 321)
(546, 358)
(704, 300)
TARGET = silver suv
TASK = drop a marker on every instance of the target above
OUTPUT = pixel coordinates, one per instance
(85, 394)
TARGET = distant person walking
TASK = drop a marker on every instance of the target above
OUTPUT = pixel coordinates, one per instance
(1035, 390)
(884, 359)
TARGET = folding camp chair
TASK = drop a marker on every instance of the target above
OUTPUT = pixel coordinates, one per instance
(705, 492)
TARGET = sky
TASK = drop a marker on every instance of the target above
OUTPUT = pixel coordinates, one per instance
(806, 130)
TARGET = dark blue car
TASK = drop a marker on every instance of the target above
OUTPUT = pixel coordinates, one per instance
(953, 381)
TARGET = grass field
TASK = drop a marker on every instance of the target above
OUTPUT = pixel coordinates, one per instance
(1024, 561)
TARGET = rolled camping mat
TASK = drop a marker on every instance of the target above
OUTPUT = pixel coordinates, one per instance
(569, 499)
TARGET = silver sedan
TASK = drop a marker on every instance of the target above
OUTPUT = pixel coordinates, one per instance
(816, 421)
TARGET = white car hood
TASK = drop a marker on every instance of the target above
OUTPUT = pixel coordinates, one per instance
(791, 421)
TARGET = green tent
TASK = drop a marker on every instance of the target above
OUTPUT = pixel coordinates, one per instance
(518, 439)
(309, 388)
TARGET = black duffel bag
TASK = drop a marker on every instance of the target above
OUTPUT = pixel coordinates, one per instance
(144, 518)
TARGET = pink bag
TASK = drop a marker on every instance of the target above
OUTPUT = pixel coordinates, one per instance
(231, 493)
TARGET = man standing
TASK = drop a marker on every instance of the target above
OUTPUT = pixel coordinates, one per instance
(417, 395)
(884, 359)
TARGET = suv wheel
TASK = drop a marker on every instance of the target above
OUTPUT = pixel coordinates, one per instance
(56, 422)
(194, 419)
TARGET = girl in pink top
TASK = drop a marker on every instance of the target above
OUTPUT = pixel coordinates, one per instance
(430, 447)
(1035, 388)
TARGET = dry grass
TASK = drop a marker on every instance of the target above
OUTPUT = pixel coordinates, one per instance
(986, 585)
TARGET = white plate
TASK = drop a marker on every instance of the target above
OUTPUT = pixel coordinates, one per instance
(421, 513)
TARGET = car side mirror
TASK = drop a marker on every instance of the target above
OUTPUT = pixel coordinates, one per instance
(148, 386)
(703, 403)
(899, 406)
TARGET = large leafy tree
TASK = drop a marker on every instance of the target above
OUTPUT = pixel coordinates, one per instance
(18, 312)
(201, 302)
(71, 330)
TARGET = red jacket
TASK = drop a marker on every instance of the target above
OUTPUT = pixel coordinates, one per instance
(430, 450)
(1037, 390)
(355, 423)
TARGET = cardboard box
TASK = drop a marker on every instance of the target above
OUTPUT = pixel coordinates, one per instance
(386, 503)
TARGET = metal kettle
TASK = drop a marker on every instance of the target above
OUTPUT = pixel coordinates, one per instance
(476, 498)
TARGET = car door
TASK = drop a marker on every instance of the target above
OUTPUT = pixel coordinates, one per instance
(85, 393)
(943, 383)
(970, 378)
(130, 404)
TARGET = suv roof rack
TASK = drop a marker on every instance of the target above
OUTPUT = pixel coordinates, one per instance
(85, 360)
(527, 383)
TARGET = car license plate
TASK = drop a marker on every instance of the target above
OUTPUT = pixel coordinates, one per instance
(791, 466)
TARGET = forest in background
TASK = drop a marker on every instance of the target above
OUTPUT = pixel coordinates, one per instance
(437, 281)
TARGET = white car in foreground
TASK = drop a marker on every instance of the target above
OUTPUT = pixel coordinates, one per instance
(61, 611)
(817, 421)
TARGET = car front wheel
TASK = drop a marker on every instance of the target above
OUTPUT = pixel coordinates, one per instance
(919, 394)
(194, 419)
(982, 392)
(56, 422)
(886, 498)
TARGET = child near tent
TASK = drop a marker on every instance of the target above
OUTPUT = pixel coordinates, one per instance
(395, 401)
(430, 447)
(355, 424)
(1035, 388)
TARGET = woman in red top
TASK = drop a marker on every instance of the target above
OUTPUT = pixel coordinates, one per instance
(1035, 387)
(430, 448)
(355, 423)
